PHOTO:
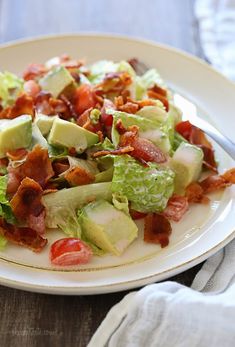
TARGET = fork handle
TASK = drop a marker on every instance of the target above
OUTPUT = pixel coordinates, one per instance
(221, 139)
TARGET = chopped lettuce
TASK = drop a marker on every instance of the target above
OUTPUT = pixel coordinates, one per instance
(121, 202)
(154, 130)
(151, 77)
(5, 208)
(102, 67)
(65, 203)
(104, 176)
(10, 87)
(147, 188)
(3, 242)
(88, 165)
(99, 69)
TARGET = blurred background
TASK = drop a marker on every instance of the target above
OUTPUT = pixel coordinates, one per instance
(167, 21)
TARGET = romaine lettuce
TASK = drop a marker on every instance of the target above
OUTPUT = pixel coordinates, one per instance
(63, 204)
(5, 208)
(154, 130)
(10, 87)
(147, 188)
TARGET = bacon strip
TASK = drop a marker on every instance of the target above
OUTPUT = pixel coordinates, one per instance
(79, 176)
(157, 229)
(36, 166)
(17, 154)
(177, 206)
(118, 151)
(25, 237)
(229, 176)
(144, 150)
(195, 193)
(213, 183)
(26, 205)
(22, 105)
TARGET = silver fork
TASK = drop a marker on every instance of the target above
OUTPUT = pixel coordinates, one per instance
(185, 105)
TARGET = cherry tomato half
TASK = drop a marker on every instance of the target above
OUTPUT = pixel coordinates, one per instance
(70, 251)
(84, 98)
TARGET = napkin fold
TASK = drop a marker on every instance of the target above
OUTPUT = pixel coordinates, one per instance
(170, 314)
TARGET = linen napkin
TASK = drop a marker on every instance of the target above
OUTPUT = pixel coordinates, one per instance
(170, 314)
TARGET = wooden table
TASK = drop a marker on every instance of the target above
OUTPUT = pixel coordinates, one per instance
(29, 319)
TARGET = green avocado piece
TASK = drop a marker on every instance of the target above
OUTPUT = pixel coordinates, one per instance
(15, 133)
(187, 165)
(107, 227)
(44, 123)
(67, 134)
(56, 80)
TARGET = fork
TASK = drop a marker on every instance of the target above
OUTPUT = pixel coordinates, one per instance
(187, 107)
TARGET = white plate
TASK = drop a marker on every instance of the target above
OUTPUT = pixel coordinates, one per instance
(203, 231)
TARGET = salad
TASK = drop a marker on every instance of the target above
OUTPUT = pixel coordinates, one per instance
(90, 149)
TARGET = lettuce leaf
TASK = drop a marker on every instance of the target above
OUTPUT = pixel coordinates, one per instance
(3, 242)
(121, 202)
(150, 128)
(147, 188)
(63, 204)
(10, 87)
(5, 208)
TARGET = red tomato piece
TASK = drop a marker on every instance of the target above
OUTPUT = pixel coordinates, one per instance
(70, 251)
(107, 119)
(176, 207)
(184, 129)
(84, 98)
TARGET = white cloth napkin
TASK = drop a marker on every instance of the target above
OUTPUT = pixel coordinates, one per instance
(169, 314)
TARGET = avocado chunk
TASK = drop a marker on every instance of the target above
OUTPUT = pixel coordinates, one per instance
(187, 165)
(67, 134)
(56, 80)
(44, 123)
(107, 227)
(15, 133)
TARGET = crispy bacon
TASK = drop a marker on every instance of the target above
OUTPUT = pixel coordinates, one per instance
(17, 154)
(157, 229)
(25, 237)
(36, 166)
(144, 150)
(22, 105)
(44, 103)
(60, 166)
(197, 137)
(118, 151)
(213, 183)
(27, 199)
(79, 176)
(27, 206)
(177, 206)
(114, 83)
(37, 222)
(229, 176)
(69, 105)
(195, 193)
(34, 71)
(153, 95)
(129, 107)
(159, 90)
